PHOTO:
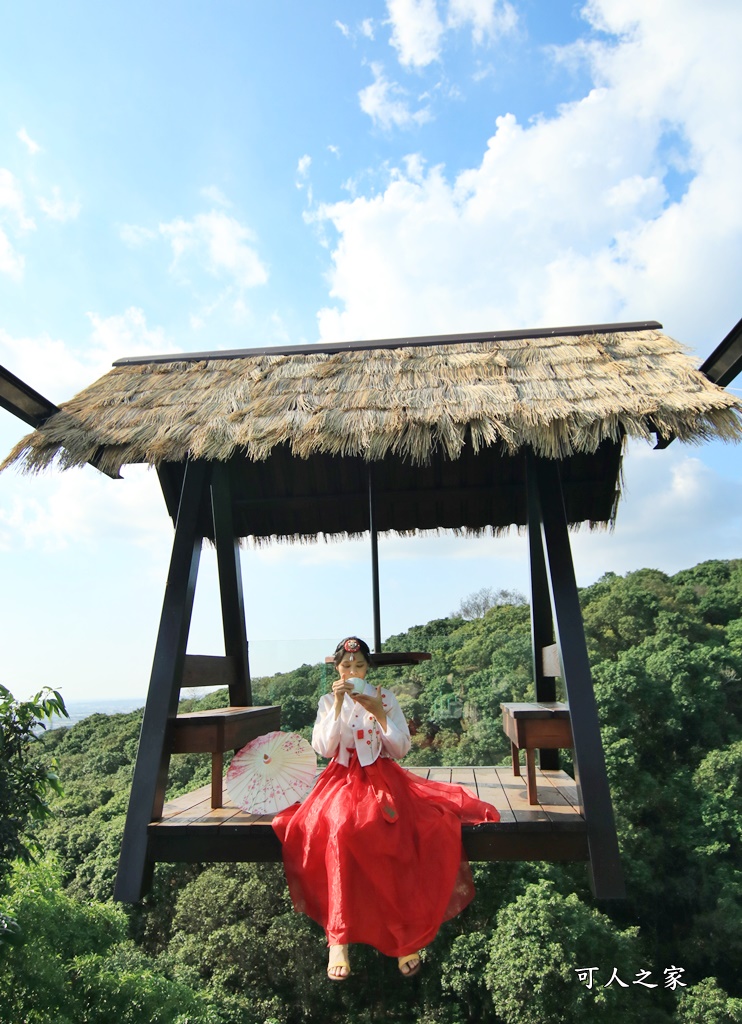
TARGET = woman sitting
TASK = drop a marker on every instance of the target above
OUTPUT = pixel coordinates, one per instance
(374, 854)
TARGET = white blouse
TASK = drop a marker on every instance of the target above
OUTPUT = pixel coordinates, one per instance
(357, 729)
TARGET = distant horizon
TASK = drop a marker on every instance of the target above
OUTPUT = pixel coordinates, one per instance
(324, 645)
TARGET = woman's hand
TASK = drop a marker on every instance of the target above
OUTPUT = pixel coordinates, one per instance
(339, 688)
(374, 706)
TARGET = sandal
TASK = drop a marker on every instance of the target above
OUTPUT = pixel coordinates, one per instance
(338, 958)
(412, 962)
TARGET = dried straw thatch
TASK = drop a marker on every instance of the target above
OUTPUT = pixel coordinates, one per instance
(558, 396)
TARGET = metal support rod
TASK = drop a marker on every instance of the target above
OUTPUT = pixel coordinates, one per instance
(230, 584)
(153, 756)
(542, 623)
(374, 559)
(589, 759)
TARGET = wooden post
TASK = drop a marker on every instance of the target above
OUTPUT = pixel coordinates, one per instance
(590, 772)
(230, 585)
(153, 757)
(542, 624)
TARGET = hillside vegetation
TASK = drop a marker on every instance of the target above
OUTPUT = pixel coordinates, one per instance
(220, 944)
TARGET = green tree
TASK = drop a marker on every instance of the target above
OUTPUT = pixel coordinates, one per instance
(479, 603)
(541, 942)
(707, 1003)
(666, 654)
(77, 965)
(26, 782)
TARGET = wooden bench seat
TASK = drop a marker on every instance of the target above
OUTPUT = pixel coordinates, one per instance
(529, 726)
(218, 730)
(193, 831)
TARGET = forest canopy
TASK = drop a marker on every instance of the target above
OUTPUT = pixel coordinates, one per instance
(221, 943)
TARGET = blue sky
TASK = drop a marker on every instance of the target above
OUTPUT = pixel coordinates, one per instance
(188, 176)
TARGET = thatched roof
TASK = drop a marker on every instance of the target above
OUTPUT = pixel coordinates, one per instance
(556, 395)
(414, 401)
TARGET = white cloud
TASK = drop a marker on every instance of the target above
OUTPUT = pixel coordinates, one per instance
(28, 142)
(12, 201)
(365, 29)
(136, 236)
(240, 312)
(279, 330)
(567, 219)
(489, 19)
(667, 494)
(11, 262)
(214, 242)
(302, 172)
(13, 219)
(220, 244)
(57, 370)
(214, 194)
(48, 364)
(416, 31)
(83, 508)
(483, 72)
(386, 103)
(124, 334)
(57, 208)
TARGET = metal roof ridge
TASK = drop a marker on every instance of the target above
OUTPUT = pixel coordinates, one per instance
(319, 348)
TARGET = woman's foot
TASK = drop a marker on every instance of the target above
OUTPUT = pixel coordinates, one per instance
(409, 965)
(338, 967)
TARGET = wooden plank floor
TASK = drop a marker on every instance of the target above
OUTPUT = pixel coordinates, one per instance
(194, 831)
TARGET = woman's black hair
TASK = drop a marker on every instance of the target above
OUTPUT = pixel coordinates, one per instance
(352, 645)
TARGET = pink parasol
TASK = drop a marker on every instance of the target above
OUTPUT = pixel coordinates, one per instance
(271, 772)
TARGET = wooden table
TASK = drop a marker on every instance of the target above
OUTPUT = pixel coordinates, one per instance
(218, 730)
(529, 726)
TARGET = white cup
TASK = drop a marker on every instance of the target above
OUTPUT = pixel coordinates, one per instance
(360, 686)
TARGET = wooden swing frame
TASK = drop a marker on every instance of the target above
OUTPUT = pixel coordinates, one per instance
(574, 820)
(586, 833)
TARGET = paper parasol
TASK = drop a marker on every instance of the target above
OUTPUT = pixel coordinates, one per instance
(271, 773)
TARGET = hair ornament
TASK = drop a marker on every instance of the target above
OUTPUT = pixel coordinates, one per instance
(351, 645)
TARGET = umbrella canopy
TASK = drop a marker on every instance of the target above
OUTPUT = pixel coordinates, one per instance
(271, 773)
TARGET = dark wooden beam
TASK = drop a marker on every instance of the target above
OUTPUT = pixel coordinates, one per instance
(155, 739)
(208, 670)
(230, 585)
(725, 362)
(542, 623)
(590, 771)
(28, 405)
(721, 367)
(198, 844)
(170, 475)
(19, 398)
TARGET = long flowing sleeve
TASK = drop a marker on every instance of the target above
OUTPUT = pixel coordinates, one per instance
(327, 728)
(395, 740)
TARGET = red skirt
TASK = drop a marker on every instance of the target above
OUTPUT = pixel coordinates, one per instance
(375, 854)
